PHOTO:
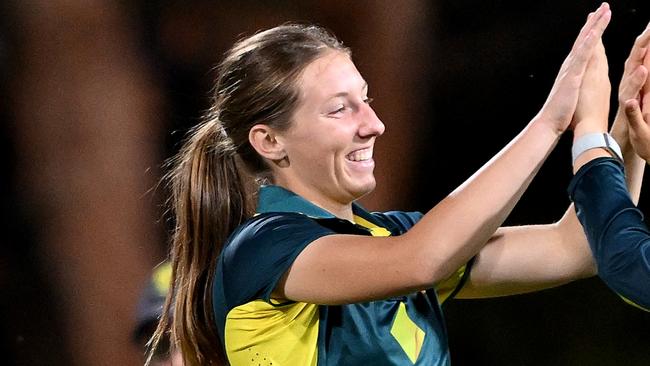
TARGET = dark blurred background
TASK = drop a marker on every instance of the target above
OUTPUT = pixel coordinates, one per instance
(95, 95)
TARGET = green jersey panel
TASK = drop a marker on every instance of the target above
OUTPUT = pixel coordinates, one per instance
(259, 330)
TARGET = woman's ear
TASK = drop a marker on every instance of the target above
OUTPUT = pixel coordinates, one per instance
(264, 140)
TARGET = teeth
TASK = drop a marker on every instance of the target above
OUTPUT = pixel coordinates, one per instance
(360, 155)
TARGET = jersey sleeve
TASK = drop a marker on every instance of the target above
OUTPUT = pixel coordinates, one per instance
(261, 251)
(449, 287)
(618, 237)
(403, 220)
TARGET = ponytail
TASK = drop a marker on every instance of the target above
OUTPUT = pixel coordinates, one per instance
(212, 193)
(210, 197)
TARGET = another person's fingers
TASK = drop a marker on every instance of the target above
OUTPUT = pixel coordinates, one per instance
(638, 51)
(645, 92)
(631, 88)
(639, 129)
(635, 117)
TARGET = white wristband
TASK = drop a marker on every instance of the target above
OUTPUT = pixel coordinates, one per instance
(593, 141)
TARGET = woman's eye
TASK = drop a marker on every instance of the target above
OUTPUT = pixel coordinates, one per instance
(368, 100)
(339, 109)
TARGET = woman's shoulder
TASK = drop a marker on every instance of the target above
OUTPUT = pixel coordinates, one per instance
(274, 230)
(263, 223)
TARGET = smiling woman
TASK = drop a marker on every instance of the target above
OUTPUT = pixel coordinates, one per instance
(305, 276)
(328, 149)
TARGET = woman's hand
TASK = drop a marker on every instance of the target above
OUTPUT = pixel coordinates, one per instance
(592, 110)
(638, 119)
(560, 106)
(635, 73)
(634, 95)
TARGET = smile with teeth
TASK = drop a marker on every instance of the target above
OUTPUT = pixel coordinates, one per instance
(360, 155)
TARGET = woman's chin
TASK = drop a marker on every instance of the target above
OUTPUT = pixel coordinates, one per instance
(361, 189)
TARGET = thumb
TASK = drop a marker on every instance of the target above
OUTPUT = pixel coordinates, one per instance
(635, 117)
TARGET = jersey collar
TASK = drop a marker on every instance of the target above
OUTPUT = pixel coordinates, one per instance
(274, 198)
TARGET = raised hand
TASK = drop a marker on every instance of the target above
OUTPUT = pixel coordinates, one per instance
(634, 95)
(560, 105)
(635, 72)
(592, 110)
(639, 129)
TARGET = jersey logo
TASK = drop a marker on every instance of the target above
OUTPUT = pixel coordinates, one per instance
(409, 336)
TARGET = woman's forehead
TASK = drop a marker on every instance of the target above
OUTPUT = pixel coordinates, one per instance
(331, 74)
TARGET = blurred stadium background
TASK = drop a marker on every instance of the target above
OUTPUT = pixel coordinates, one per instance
(95, 95)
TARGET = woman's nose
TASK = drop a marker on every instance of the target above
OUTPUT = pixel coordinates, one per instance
(371, 125)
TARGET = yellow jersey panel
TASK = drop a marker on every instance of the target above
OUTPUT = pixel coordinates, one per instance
(259, 333)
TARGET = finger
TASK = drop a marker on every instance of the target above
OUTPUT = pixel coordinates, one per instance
(602, 22)
(580, 53)
(593, 37)
(584, 52)
(645, 90)
(592, 20)
(643, 39)
(635, 118)
(634, 83)
(634, 59)
(589, 23)
(639, 130)
(638, 51)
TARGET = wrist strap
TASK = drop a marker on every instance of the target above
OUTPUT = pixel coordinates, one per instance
(593, 141)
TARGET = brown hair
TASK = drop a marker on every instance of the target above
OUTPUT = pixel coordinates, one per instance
(216, 172)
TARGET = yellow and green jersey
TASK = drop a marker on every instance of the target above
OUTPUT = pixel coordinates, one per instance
(257, 329)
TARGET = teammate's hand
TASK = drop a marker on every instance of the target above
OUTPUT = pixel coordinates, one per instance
(561, 103)
(592, 110)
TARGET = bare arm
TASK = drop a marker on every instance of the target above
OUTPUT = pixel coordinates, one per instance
(529, 258)
(353, 268)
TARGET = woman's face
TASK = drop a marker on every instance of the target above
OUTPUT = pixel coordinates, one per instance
(330, 143)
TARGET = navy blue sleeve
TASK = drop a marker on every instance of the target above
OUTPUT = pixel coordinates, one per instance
(261, 251)
(618, 237)
(400, 219)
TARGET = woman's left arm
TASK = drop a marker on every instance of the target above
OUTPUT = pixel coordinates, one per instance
(530, 258)
(522, 259)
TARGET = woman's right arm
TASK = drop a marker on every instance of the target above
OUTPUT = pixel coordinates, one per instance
(343, 268)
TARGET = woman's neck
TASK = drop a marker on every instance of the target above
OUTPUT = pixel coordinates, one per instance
(342, 210)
